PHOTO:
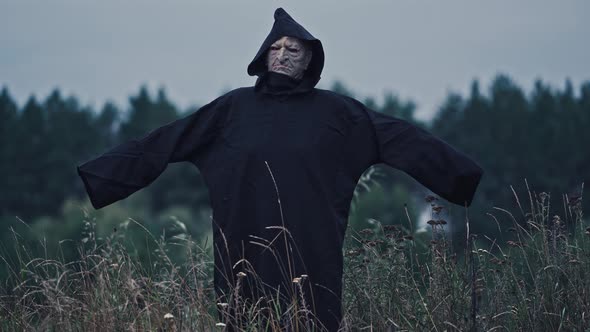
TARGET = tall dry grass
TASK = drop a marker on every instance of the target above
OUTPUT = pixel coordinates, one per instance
(395, 280)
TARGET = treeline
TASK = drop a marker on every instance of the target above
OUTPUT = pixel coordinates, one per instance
(540, 136)
(42, 142)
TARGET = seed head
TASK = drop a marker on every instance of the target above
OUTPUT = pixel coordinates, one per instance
(437, 208)
(574, 199)
(430, 198)
(366, 231)
(352, 253)
(389, 228)
(515, 244)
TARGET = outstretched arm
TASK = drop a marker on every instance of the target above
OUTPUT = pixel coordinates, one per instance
(432, 162)
(135, 164)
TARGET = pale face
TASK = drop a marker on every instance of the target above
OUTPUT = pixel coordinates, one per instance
(288, 56)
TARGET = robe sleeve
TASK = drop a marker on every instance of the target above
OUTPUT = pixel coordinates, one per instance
(135, 164)
(435, 164)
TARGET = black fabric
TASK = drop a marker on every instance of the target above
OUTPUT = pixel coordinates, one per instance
(283, 155)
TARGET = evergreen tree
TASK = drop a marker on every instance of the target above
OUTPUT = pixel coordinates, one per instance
(28, 186)
(146, 115)
(8, 146)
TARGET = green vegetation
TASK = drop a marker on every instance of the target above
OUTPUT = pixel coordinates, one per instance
(65, 266)
(395, 279)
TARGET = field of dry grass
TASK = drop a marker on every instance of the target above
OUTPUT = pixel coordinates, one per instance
(395, 280)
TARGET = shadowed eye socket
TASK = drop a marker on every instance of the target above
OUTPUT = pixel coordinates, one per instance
(274, 47)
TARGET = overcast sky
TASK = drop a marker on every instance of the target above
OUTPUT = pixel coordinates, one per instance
(419, 49)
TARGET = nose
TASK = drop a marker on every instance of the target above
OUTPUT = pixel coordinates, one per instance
(282, 55)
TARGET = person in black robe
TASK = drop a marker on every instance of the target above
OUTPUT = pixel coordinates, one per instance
(281, 160)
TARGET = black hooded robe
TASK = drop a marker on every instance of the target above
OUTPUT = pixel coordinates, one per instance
(282, 155)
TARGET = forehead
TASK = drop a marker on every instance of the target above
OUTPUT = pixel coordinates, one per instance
(288, 40)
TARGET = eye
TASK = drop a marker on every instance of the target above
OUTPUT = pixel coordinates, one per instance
(274, 47)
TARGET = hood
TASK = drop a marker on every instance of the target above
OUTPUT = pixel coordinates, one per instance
(285, 25)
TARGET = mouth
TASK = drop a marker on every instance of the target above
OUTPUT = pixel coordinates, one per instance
(280, 68)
